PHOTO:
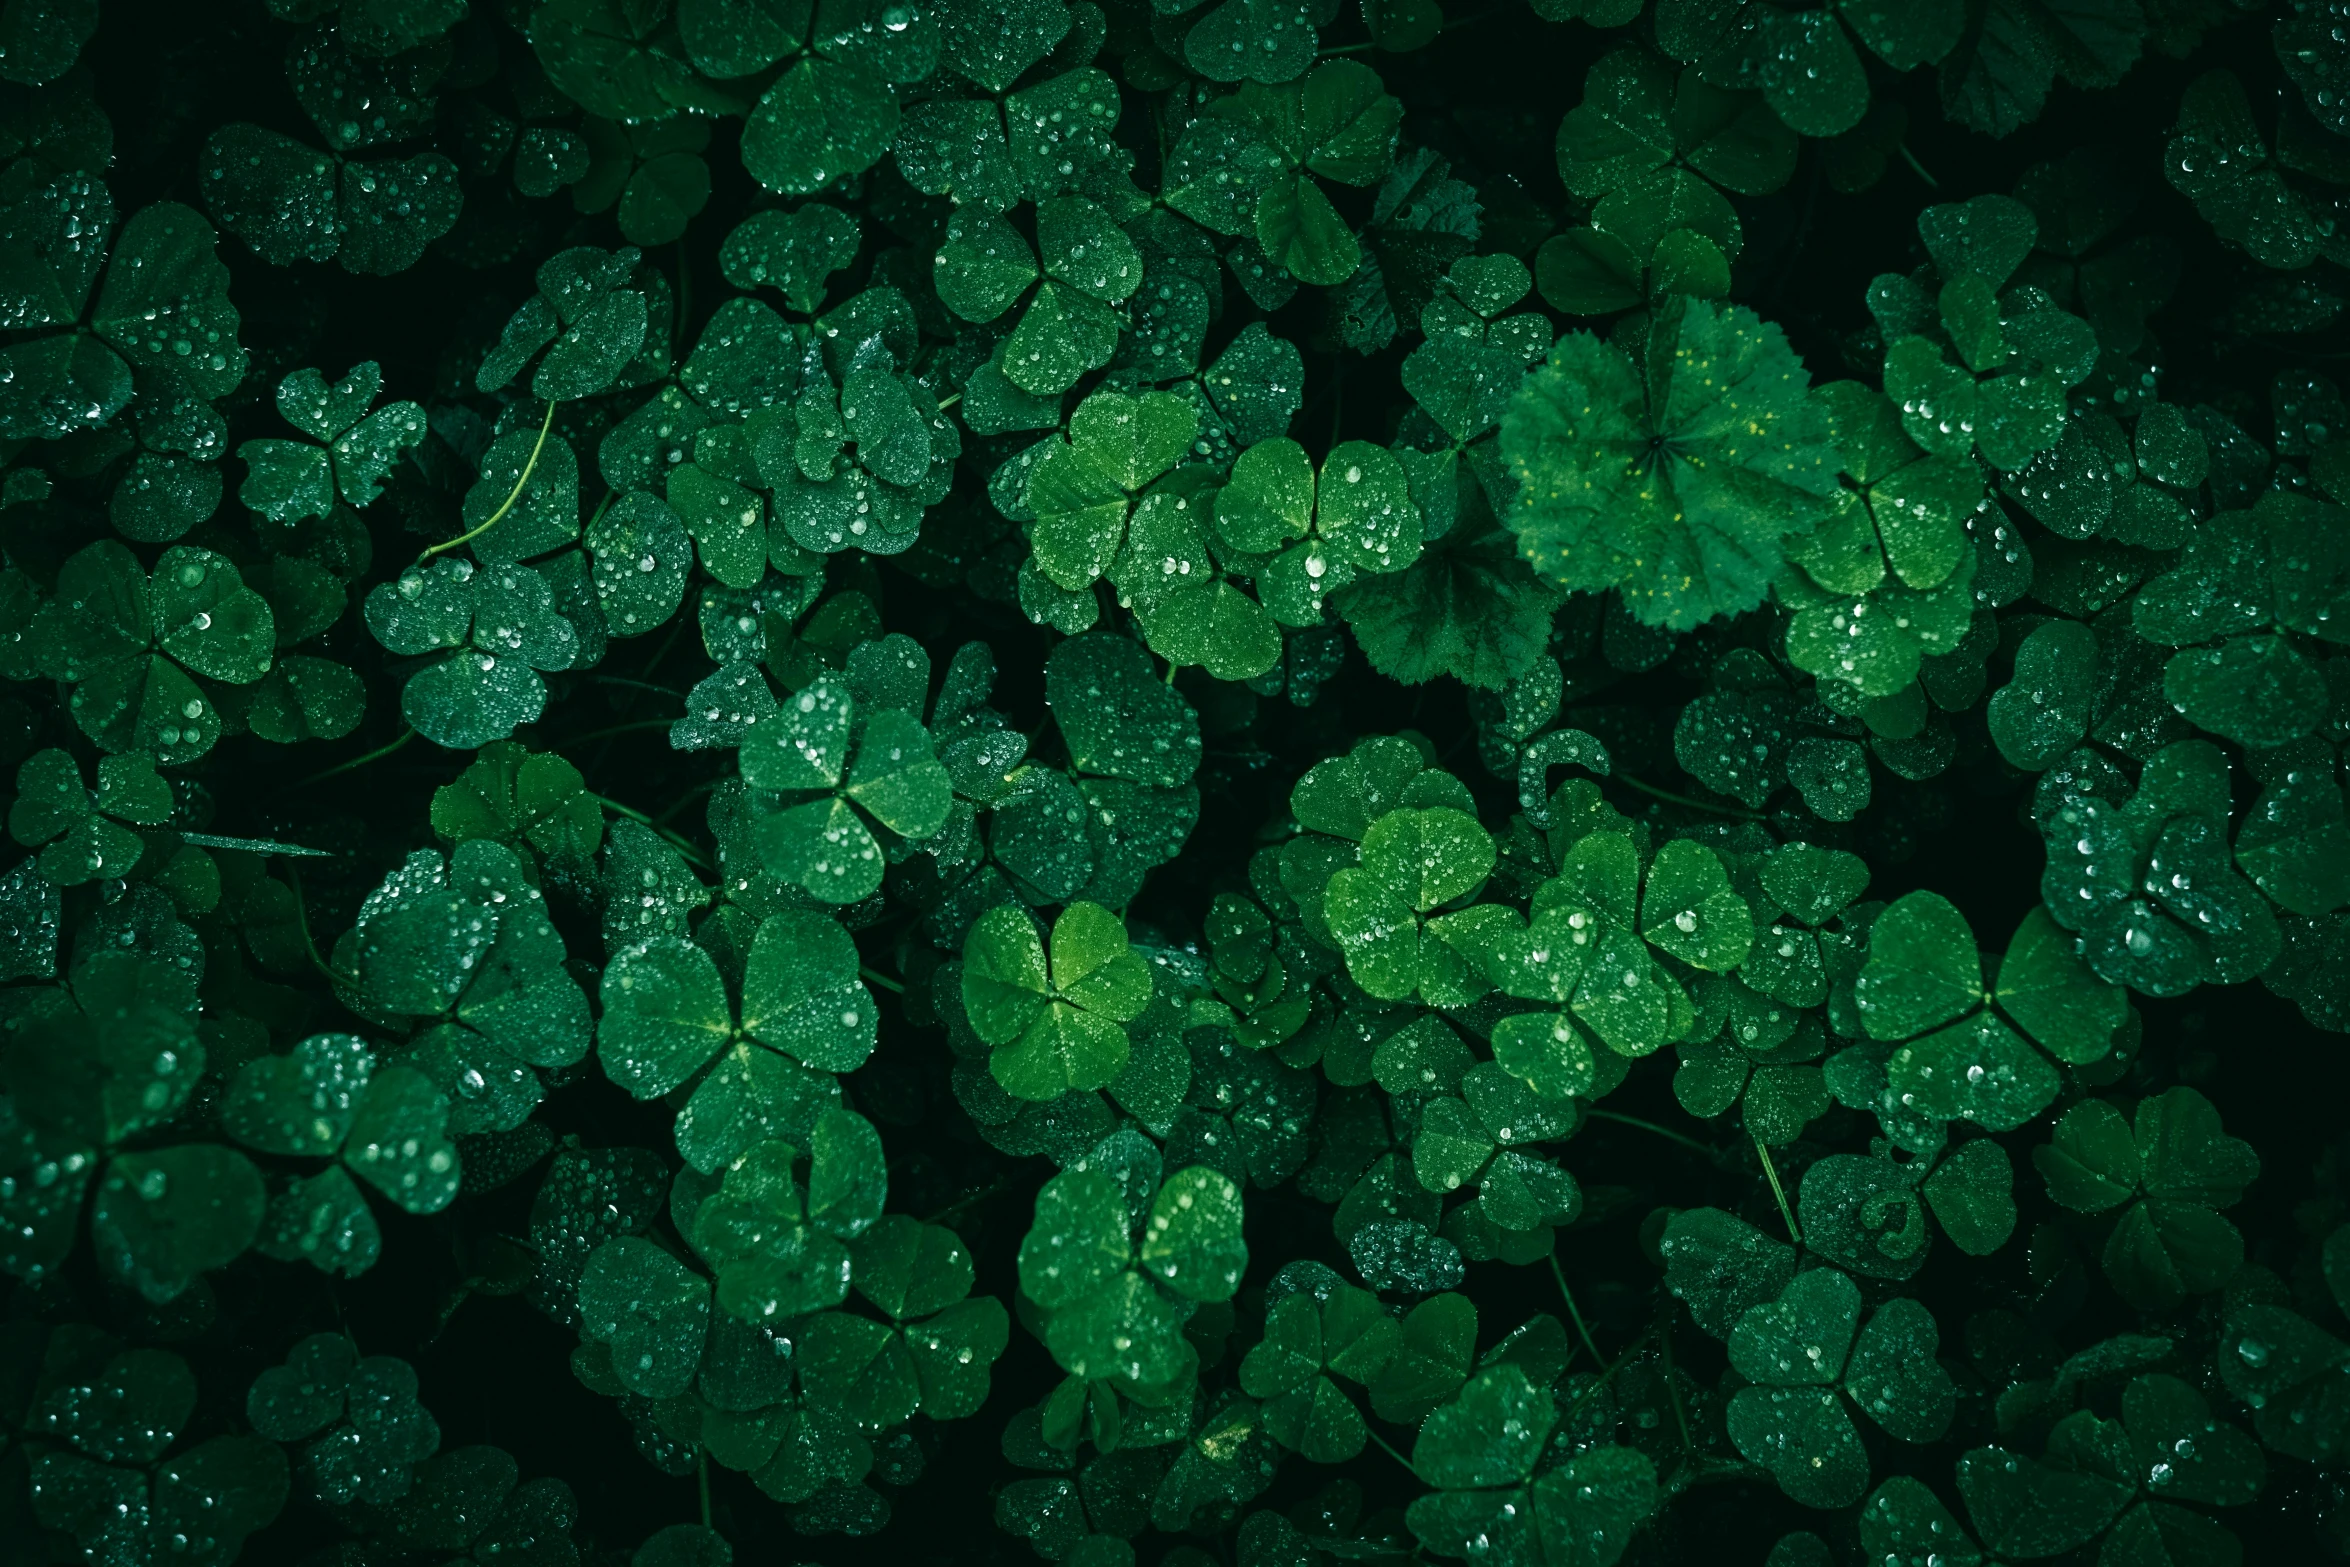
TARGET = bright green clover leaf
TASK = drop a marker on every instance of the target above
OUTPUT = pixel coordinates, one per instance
(2148, 884)
(163, 312)
(2174, 1168)
(1082, 491)
(1967, 1053)
(829, 774)
(1483, 1140)
(464, 948)
(1248, 165)
(524, 799)
(132, 645)
(81, 834)
(489, 630)
(354, 452)
(328, 1097)
(2129, 1475)
(582, 328)
(1088, 266)
(911, 1270)
(1800, 1352)
(1676, 479)
(1315, 538)
(1413, 862)
(1113, 1311)
(1053, 1025)
(804, 1012)
(775, 1255)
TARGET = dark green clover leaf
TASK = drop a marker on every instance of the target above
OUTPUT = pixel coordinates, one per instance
(778, 1246)
(163, 311)
(804, 1013)
(366, 1430)
(1088, 266)
(1053, 1025)
(790, 252)
(488, 630)
(2219, 160)
(2174, 1168)
(1903, 1522)
(837, 773)
(292, 202)
(1805, 1348)
(353, 454)
(1581, 1513)
(2149, 885)
(1674, 480)
(132, 646)
(82, 835)
(1134, 745)
(2295, 841)
(1327, 1329)
(1248, 165)
(1719, 1266)
(528, 800)
(1967, 1053)
(2127, 1476)
(328, 1098)
(1312, 539)
(164, 1219)
(834, 112)
(1054, 138)
(583, 328)
(2039, 716)
(651, 1309)
(464, 950)
(920, 1276)
(1804, 62)
(851, 469)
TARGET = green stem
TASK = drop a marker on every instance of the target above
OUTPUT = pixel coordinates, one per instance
(1785, 1212)
(505, 505)
(972, 1201)
(1606, 1376)
(1911, 159)
(1680, 1418)
(1650, 1126)
(1736, 813)
(876, 977)
(302, 924)
(375, 755)
(949, 401)
(1568, 1296)
(684, 800)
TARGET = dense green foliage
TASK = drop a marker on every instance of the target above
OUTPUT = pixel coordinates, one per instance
(1214, 782)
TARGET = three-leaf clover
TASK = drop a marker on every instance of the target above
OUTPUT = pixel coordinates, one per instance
(1087, 265)
(579, 334)
(804, 1013)
(1083, 490)
(778, 1246)
(851, 469)
(827, 773)
(488, 631)
(1804, 1349)
(350, 454)
(1321, 1328)
(1114, 1303)
(1048, 140)
(1054, 1024)
(130, 645)
(1312, 538)
(1673, 479)
(940, 1338)
(2174, 1168)
(1247, 165)
(1413, 862)
(1967, 1053)
(367, 1431)
(1886, 579)
(79, 832)
(292, 202)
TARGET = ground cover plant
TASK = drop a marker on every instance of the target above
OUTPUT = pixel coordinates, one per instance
(1249, 783)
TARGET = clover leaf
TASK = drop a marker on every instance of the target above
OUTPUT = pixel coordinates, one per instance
(1358, 518)
(778, 1246)
(2173, 1168)
(920, 1276)
(1328, 1329)
(1412, 862)
(1113, 1308)
(365, 1428)
(1676, 479)
(1807, 1346)
(132, 645)
(1133, 747)
(1053, 1024)
(329, 1098)
(488, 632)
(1498, 1500)
(292, 202)
(579, 333)
(2219, 160)
(1804, 62)
(354, 452)
(463, 949)
(80, 833)
(1088, 266)
(1082, 491)
(851, 469)
(1054, 138)
(791, 252)
(1248, 165)
(835, 111)
(2147, 883)
(527, 800)
(804, 1012)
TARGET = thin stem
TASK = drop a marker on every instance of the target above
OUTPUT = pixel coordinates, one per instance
(1911, 159)
(1576, 1316)
(1650, 1126)
(1680, 1418)
(702, 1470)
(1398, 1457)
(1778, 1191)
(1607, 1375)
(378, 754)
(972, 1201)
(949, 401)
(302, 924)
(1737, 813)
(876, 977)
(505, 505)
(636, 685)
(684, 800)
